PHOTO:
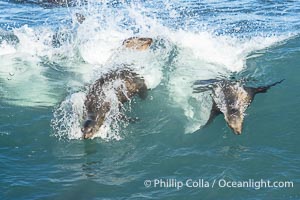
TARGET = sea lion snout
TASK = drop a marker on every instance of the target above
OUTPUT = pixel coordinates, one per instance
(235, 122)
(237, 128)
(88, 128)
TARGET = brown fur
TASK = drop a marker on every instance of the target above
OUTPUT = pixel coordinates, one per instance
(97, 107)
(137, 43)
(231, 99)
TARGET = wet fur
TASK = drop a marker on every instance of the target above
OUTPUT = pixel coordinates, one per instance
(97, 107)
(237, 98)
(137, 43)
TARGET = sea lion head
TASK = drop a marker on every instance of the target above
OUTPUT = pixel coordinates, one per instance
(233, 100)
(234, 119)
(137, 43)
(88, 129)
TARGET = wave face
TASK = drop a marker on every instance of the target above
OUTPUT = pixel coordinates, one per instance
(48, 61)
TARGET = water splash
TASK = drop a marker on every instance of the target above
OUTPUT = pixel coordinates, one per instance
(69, 116)
(206, 45)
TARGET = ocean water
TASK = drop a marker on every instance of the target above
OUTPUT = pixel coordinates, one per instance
(48, 60)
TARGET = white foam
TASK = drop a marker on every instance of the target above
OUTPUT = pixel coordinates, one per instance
(21, 71)
(36, 42)
(94, 49)
(23, 67)
(24, 82)
(6, 48)
(225, 51)
(100, 45)
(67, 117)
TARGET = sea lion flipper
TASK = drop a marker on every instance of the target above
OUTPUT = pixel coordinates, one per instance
(206, 82)
(201, 89)
(264, 89)
(204, 85)
(215, 111)
(204, 88)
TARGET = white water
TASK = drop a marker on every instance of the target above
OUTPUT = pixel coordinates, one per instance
(94, 48)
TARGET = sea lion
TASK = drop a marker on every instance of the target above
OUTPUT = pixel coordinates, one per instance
(232, 99)
(96, 104)
(137, 43)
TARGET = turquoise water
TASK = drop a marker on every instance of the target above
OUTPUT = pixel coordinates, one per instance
(47, 60)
